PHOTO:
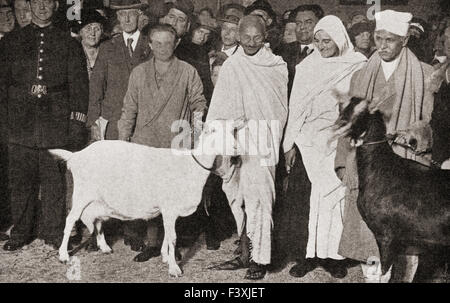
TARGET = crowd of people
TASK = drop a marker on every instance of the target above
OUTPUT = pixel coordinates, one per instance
(130, 70)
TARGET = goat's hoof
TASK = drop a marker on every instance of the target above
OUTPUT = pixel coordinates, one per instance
(64, 257)
(107, 251)
(175, 271)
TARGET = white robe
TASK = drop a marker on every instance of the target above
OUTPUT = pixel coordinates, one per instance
(254, 87)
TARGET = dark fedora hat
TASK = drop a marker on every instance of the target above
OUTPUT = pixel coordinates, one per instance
(127, 4)
(261, 5)
(88, 16)
(186, 6)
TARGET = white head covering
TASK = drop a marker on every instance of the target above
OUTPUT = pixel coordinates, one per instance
(316, 77)
(334, 27)
(393, 22)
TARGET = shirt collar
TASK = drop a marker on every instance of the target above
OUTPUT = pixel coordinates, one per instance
(229, 51)
(134, 36)
(310, 46)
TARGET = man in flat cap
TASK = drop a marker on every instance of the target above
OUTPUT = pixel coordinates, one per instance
(228, 35)
(180, 15)
(234, 9)
(395, 82)
(361, 37)
(263, 9)
(44, 101)
(109, 82)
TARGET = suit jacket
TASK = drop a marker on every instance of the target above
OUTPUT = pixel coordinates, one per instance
(292, 55)
(50, 58)
(149, 111)
(109, 80)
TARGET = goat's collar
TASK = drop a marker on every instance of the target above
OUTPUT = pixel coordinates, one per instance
(387, 139)
(376, 142)
(201, 165)
(391, 140)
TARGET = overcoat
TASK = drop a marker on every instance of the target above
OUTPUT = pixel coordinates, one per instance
(151, 114)
(109, 80)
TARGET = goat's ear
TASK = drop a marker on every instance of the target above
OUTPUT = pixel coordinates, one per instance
(239, 123)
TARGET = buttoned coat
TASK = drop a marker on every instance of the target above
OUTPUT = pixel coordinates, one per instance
(151, 114)
(109, 80)
(51, 58)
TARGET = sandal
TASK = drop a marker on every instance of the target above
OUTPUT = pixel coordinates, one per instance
(256, 272)
(234, 264)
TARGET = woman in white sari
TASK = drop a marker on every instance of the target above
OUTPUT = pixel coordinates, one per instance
(312, 111)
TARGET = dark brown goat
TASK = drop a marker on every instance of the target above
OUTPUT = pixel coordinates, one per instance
(403, 203)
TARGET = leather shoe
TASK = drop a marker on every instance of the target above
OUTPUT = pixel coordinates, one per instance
(147, 253)
(300, 269)
(13, 245)
(336, 268)
(256, 271)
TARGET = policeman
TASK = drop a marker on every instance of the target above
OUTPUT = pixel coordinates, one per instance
(44, 99)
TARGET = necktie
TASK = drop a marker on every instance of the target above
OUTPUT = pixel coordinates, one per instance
(305, 51)
(130, 48)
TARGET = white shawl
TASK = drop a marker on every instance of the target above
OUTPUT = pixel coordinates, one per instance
(254, 87)
(316, 77)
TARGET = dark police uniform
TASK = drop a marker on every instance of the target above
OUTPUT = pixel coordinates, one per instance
(44, 98)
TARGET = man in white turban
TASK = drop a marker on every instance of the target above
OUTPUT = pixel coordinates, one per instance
(395, 82)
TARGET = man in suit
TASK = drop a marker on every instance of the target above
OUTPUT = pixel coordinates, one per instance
(108, 85)
(306, 18)
(43, 101)
(180, 16)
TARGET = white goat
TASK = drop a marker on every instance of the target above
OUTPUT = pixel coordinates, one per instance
(116, 179)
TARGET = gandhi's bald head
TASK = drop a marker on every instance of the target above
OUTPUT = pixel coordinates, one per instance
(252, 34)
(252, 21)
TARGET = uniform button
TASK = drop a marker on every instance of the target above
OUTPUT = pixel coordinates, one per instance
(41, 50)
(42, 34)
(40, 77)
(39, 96)
(40, 59)
(40, 68)
(42, 42)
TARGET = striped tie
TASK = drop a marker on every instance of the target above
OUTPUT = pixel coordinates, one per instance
(130, 48)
